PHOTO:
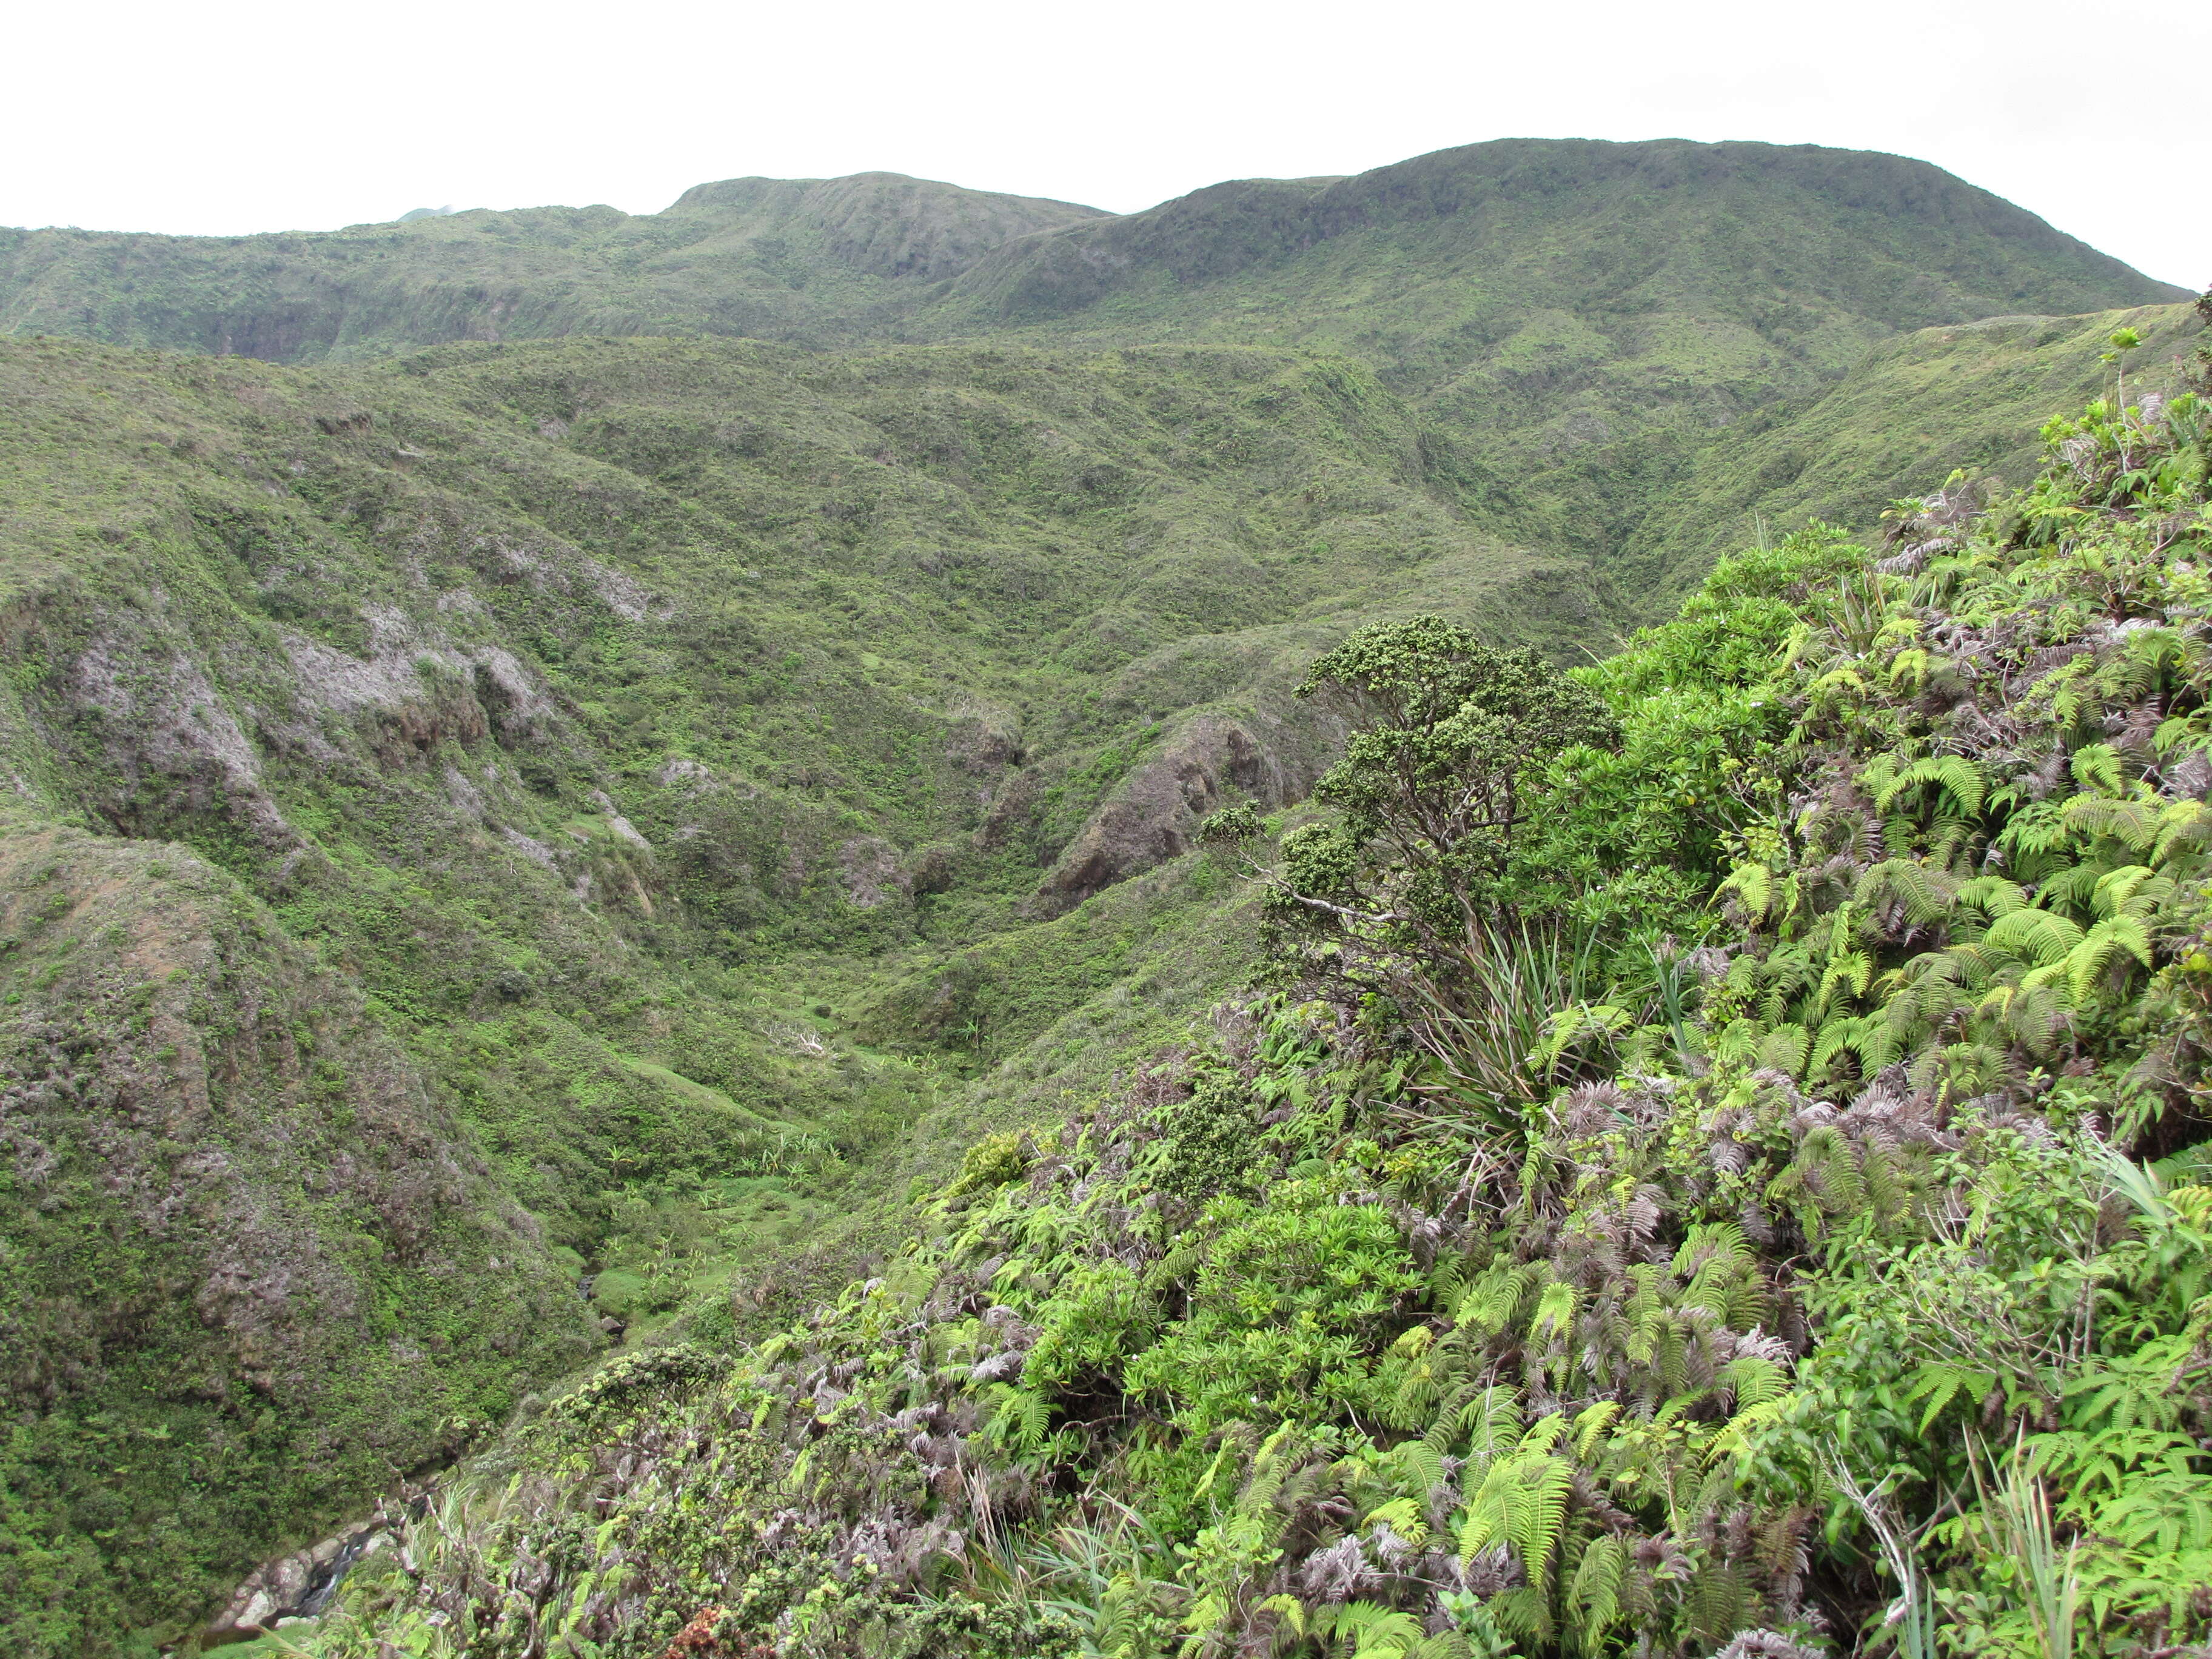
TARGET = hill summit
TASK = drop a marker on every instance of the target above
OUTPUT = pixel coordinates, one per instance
(1579, 319)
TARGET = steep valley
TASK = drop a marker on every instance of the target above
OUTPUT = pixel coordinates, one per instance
(570, 775)
(662, 737)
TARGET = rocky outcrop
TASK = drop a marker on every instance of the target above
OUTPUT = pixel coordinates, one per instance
(1155, 813)
(984, 739)
(872, 872)
(304, 1584)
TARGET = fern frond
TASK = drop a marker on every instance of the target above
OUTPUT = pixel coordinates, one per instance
(1738, 1041)
(1555, 1311)
(2097, 766)
(1993, 896)
(1536, 1513)
(2039, 938)
(1594, 1596)
(1754, 1379)
(1783, 1050)
(2098, 948)
(2133, 823)
(2183, 823)
(1925, 894)
(1753, 884)
(1954, 774)
(1590, 1426)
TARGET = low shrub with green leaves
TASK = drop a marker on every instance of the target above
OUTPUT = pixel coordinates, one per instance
(1723, 1171)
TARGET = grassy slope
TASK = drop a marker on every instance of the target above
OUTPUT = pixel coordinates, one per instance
(1916, 408)
(1585, 318)
(646, 735)
(392, 676)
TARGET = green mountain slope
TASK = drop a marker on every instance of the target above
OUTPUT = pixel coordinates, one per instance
(1810, 253)
(1584, 319)
(1514, 1279)
(769, 257)
(252, 1267)
(693, 759)
(1587, 318)
(1912, 411)
(671, 798)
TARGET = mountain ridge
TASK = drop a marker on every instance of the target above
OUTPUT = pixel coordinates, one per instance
(921, 232)
(729, 788)
(727, 257)
(1586, 317)
(1299, 214)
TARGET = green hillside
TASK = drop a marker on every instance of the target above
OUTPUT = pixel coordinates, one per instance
(1586, 318)
(774, 258)
(1743, 1191)
(253, 1267)
(680, 752)
(1799, 257)
(1911, 412)
(1583, 321)
(576, 783)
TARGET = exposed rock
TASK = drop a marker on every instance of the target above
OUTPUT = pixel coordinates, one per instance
(536, 851)
(165, 717)
(984, 739)
(871, 873)
(418, 689)
(626, 598)
(616, 822)
(1155, 813)
(1008, 809)
(933, 868)
(465, 796)
(300, 1585)
(681, 772)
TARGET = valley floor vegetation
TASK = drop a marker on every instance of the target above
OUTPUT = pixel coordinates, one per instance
(1722, 1171)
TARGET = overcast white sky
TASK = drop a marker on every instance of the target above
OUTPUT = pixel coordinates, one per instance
(241, 115)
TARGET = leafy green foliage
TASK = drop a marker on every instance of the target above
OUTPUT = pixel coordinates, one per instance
(1447, 1302)
(1793, 1274)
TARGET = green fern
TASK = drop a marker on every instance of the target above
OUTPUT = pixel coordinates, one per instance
(1370, 1631)
(1954, 774)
